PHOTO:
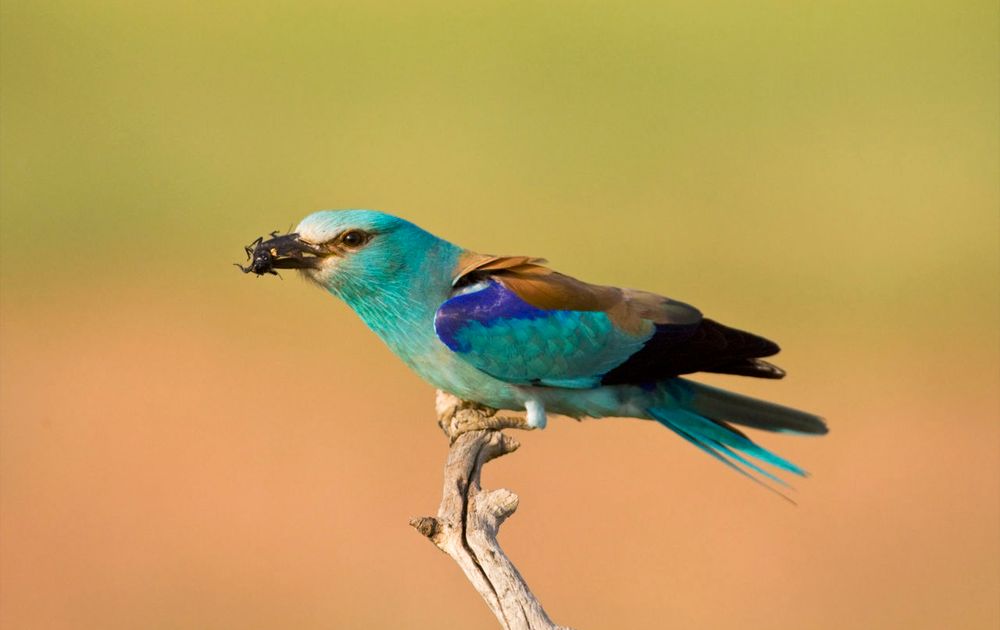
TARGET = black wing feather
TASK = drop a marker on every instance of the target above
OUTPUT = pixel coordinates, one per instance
(707, 347)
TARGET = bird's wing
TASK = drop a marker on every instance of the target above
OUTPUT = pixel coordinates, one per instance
(524, 323)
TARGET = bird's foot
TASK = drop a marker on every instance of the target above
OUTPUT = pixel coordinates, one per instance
(457, 416)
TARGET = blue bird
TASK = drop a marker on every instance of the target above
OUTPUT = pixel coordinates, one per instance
(510, 333)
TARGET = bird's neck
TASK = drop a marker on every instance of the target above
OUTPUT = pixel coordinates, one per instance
(400, 309)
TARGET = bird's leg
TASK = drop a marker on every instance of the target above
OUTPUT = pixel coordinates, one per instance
(457, 416)
(536, 413)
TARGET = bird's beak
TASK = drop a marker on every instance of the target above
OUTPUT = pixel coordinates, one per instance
(286, 251)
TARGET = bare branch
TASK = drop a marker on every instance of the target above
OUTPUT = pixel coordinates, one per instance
(469, 518)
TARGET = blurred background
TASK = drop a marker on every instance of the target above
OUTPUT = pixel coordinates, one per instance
(184, 446)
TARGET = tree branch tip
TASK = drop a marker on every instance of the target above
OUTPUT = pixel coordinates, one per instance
(501, 502)
(508, 443)
(428, 526)
(498, 444)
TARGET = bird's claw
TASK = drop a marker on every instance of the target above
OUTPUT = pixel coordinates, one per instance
(457, 416)
(467, 420)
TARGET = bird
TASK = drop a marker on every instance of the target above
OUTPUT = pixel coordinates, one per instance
(511, 333)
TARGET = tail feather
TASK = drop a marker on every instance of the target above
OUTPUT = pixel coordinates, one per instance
(717, 455)
(728, 449)
(700, 414)
(724, 406)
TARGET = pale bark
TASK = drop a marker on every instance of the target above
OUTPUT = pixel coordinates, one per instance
(469, 517)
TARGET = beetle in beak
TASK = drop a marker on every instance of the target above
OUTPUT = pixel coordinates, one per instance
(286, 251)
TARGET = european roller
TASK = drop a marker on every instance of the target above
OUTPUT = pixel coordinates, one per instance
(509, 333)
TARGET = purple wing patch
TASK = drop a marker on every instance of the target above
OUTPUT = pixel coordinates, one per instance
(485, 306)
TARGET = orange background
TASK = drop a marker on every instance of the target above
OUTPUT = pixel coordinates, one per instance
(182, 446)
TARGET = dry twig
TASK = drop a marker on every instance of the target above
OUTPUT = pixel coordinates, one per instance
(469, 517)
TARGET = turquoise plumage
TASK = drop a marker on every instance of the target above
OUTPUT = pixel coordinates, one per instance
(493, 329)
(510, 333)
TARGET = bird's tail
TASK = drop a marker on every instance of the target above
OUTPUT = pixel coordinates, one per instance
(703, 416)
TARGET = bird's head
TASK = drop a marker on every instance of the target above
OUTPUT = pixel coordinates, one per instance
(348, 252)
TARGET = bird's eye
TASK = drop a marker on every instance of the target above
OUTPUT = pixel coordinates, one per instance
(354, 238)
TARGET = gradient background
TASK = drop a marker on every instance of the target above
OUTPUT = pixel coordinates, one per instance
(187, 447)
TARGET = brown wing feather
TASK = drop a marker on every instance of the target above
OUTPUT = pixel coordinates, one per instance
(471, 262)
(630, 309)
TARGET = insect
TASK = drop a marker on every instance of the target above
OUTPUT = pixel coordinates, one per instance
(261, 258)
(283, 251)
